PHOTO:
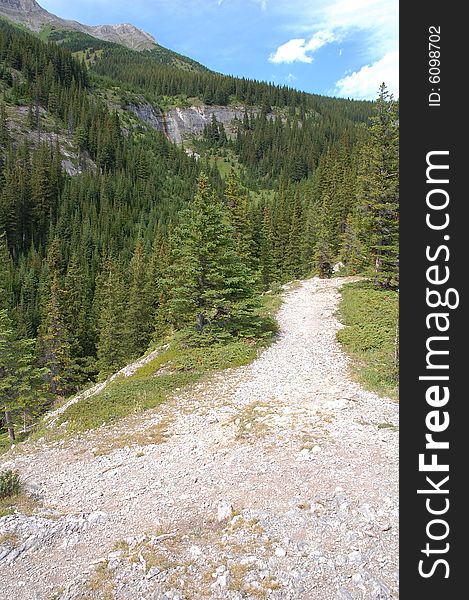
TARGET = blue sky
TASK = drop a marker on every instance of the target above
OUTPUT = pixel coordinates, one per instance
(333, 47)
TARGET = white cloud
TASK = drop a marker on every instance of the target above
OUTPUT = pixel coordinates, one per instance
(298, 49)
(294, 50)
(364, 84)
(290, 78)
(375, 23)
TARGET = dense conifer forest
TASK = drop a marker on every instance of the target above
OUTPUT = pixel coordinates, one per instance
(143, 239)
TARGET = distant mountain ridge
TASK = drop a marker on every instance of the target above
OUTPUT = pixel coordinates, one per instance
(30, 14)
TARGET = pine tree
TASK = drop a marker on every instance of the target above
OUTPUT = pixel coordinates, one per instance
(352, 253)
(293, 266)
(5, 137)
(237, 199)
(53, 343)
(6, 275)
(378, 194)
(269, 272)
(78, 319)
(21, 382)
(282, 216)
(138, 319)
(323, 247)
(157, 290)
(211, 287)
(112, 351)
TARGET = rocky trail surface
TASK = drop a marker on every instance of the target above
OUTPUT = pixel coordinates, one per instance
(274, 480)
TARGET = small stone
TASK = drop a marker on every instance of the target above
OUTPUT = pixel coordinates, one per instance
(195, 551)
(303, 454)
(153, 572)
(355, 557)
(280, 552)
(224, 511)
(336, 404)
(339, 561)
(221, 581)
(96, 516)
(236, 519)
(368, 512)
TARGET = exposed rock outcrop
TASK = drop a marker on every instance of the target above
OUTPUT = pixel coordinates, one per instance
(180, 123)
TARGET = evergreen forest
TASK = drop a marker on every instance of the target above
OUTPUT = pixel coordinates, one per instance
(113, 239)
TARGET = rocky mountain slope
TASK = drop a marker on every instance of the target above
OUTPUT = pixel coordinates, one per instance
(274, 480)
(30, 14)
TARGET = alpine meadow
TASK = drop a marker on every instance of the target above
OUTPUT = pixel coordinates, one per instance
(177, 248)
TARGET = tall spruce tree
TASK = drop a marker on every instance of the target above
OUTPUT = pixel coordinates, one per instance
(378, 191)
(21, 382)
(54, 344)
(112, 350)
(139, 317)
(293, 266)
(53, 334)
(237, 198)
(212, 288)
(268, 269)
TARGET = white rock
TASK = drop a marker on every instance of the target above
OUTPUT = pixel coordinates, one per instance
(280, 552)
(152, 572)
(224, 511)
(97, 516)
(355, 557)
(195, 551)
(336, 404)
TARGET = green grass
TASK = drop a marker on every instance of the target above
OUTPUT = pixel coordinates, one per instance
(45, 32)
(19, 503)
(224, 163)
(122, 398)
(6, 443)
(369, 336)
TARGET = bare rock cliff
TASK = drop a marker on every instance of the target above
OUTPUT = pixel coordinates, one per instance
(179, 124)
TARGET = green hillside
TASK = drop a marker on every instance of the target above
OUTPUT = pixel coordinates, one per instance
(76, 42)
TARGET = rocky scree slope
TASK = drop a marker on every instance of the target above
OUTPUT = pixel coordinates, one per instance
(274, 480)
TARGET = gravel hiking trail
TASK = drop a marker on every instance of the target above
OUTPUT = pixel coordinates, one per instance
(274, 480)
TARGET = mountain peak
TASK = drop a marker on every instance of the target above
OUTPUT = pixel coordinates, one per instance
(30, 14)
(20, 5)
(126, 34)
